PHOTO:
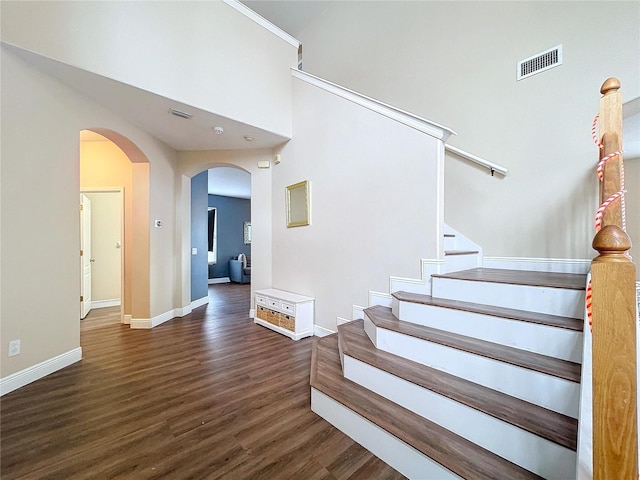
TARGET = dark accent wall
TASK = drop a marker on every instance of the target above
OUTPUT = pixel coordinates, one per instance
(199, 274)
(232, 213)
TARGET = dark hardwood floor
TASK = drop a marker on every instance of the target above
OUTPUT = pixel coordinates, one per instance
(207, 396)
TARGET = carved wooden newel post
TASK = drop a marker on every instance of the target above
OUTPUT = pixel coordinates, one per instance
(615, 426)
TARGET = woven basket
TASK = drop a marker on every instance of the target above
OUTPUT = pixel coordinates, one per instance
(288, 322)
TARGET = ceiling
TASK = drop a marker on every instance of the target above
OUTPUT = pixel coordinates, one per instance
(151, 112)
(229, 182)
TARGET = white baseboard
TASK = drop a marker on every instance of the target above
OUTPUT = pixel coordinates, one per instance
(379, 298)
(358, 312)
(31, 374)
(252, 313)
(145, 323)
(126, 319)
(112, 302)
(213, 281)
(342, 321)
(556, 265)
(319, 331)
(200, 302)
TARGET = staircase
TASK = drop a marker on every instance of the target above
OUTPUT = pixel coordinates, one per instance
(479, 380)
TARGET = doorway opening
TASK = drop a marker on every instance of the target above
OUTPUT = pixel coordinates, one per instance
(220, 213)
(102, 227)
(114, 180)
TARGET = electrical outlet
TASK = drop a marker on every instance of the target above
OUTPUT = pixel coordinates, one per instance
(14, 347)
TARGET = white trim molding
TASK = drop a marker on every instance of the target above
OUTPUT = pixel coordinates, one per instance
(379, 298)
(263, 22)
(113, 302)
(200, 302)
(555, 265)
(414, 121)
(146, 323)
(319, 331)
(126, 319)
(214, 281)
(31, 374)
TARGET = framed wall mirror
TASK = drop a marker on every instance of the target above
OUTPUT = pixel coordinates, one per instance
(298, 205)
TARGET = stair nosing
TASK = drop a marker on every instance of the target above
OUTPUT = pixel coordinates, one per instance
(448, 381)
(465, 275)
(476, 346)
(431, 446)
(558, 321)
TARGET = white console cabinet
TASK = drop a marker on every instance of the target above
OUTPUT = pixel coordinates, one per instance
(287, 313)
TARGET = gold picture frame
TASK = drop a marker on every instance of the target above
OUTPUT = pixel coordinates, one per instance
(298, 204)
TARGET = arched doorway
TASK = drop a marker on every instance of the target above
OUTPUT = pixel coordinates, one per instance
(109, 162)
(220, 216)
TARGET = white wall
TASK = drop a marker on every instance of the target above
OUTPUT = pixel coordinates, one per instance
(197, 53)
(41, 121)
(374, 203)
(455, 63)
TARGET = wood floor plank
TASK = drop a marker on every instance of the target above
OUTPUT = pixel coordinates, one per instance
(207, 396)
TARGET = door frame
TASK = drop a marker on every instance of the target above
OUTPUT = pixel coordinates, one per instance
(123, 252)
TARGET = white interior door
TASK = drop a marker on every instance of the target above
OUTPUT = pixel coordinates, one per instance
(85, 255)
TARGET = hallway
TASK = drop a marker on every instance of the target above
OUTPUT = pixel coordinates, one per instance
(210, 395)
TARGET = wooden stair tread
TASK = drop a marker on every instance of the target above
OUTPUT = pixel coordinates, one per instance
(571, 281)
(543, 422)
(568, 323)
(459, 455)
(460, 252)
(382, 317)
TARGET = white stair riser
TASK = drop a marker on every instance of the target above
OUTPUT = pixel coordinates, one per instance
(449, 242)
(554, 301)
(404, 458)
(545, 390)
(533, 337)
(455, 263)
(519, 446)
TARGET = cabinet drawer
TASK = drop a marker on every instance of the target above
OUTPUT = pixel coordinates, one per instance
(275, 304)
(288, 308)
(261, 300)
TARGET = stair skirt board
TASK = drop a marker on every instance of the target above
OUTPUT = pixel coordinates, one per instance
(530, 451)
(551, 392)
(554, 301)
(544, 339)
(404, 458)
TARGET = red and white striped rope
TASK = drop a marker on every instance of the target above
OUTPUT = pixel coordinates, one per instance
(600, 169)
(589, 306)
(603, 207)
(605, 160)
(594, 134)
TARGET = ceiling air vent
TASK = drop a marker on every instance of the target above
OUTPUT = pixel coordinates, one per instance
(540, 62)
